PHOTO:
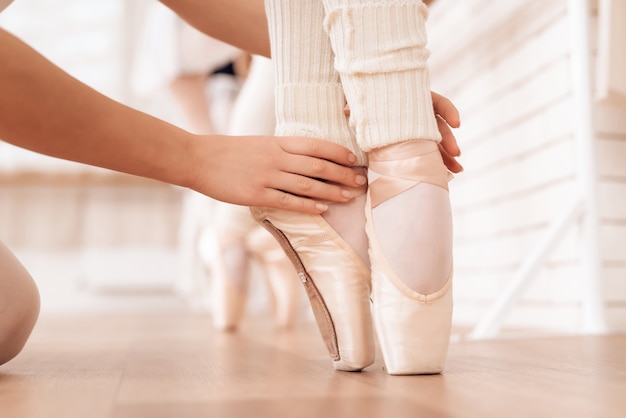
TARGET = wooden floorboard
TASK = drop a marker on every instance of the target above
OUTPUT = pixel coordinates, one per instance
(154, 366)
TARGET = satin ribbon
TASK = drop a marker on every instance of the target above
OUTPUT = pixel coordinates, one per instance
(404, 165)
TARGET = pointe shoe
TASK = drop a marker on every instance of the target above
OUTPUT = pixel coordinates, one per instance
(413, 329)
(336, 281)
(229, 302)
(229, 293)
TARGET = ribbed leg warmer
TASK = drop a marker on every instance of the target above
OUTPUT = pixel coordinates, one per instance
(381, 54)
(309, 94)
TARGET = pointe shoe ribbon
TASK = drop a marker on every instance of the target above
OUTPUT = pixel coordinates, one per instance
(403, 167)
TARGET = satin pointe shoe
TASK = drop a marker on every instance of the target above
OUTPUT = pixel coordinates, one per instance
(336, 280)
(413, 329)
(228, 260)
(229, 297)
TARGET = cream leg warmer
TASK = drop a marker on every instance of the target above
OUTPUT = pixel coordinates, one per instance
(309, 94)
(380, 48)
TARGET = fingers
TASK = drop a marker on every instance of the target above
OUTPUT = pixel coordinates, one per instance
(320, 159)
(446, 109)
(299, 193)
(318, 148)
(316, 189)
(448, 147)
(324, 170)
(447, 116)
(311, 172)
(279, 199)
(448, 140)
(451, 163)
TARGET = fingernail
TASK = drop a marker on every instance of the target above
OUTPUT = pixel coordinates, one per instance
(321, 207)
(360, 180)
(352, 158)
(347, 194)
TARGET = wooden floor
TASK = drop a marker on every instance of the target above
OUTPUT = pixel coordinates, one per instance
(157, 366)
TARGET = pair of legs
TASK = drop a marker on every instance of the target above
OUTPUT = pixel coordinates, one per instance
(19, 305)
(394, 243)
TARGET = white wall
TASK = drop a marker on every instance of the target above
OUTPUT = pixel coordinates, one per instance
(507, 67)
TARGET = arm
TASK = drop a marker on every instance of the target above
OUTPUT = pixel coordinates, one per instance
(241, 23)
(44, 109)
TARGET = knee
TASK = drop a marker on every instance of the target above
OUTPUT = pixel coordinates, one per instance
(17, 321)
(19, 305)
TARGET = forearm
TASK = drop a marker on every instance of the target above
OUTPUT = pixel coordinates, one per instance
(241, 23)
(44, 109)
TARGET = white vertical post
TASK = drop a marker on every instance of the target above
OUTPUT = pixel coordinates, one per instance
(592, 289)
